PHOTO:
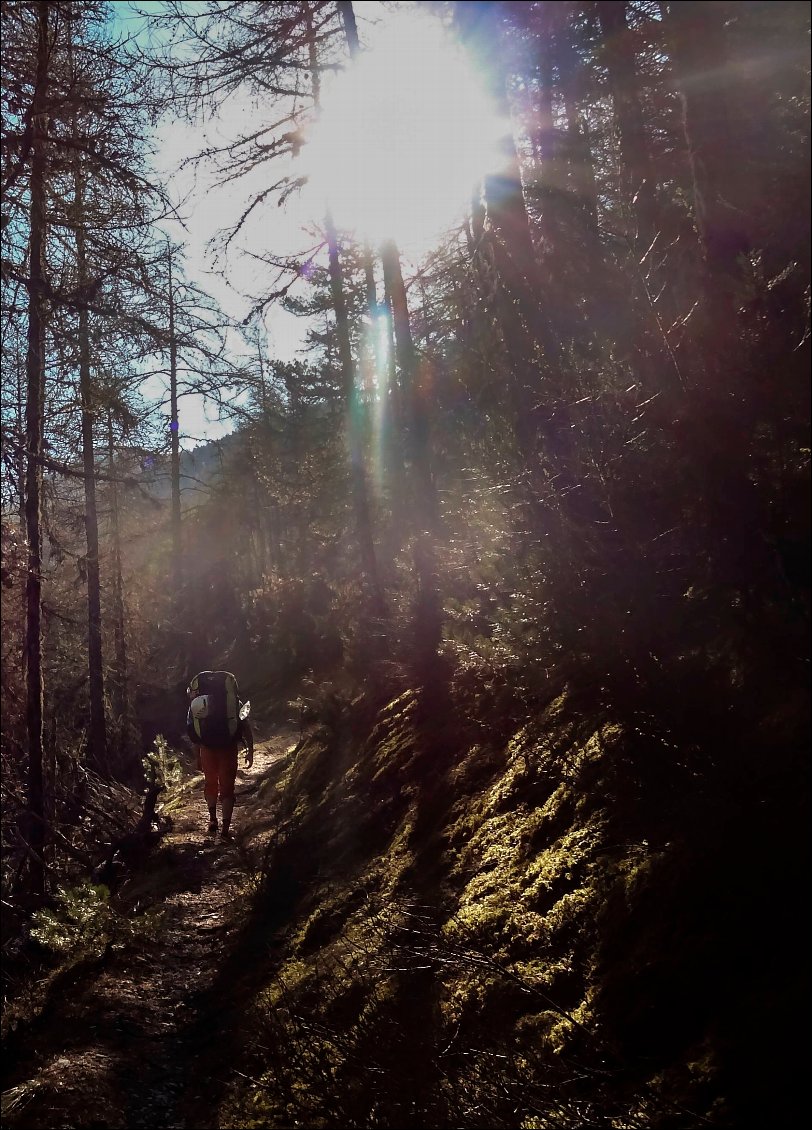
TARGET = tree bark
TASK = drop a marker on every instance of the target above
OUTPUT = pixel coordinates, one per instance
(424, 491)
(548, 143)
(699, 55)
(266, 512)
(97, 737)
(578, 153)
(531, 352)
(347, 11)
(34, 432)
(392, 421)
(621, 65)
(19, 424)
(352, 401)
(121, 702)
(174, 430)
(425, 511)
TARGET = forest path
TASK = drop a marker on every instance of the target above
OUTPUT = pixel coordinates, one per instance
(146, 1039)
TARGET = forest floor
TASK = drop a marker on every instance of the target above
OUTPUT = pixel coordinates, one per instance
(147, 1034)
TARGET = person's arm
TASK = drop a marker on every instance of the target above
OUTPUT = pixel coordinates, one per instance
(248, 742)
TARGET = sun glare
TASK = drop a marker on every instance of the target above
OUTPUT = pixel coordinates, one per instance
(404, 134)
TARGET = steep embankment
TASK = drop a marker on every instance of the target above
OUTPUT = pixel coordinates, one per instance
(426, 923)
(579, 924)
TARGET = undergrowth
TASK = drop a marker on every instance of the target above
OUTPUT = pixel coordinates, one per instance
(448, 959)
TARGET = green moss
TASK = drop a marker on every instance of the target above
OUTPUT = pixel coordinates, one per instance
(504, 954)
(542, 938)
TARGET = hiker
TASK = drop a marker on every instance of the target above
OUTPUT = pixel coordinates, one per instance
(217, 725)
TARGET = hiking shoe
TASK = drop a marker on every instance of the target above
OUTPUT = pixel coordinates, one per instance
(213, 828)
(226, 835)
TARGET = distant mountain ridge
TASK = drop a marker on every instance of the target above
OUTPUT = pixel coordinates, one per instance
(199, 467)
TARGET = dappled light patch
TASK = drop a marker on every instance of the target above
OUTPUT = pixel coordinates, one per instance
(500, 957)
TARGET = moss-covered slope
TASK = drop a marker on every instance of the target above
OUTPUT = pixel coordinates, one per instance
(576, 926)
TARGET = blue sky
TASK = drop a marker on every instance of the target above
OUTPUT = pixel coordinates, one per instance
(410, 113)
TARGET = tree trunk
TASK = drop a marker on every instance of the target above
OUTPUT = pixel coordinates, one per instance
(581, 167)
(263, 542)
(425, 511)
(551, 176)
(268, 512)
(19, 425)
(636, 174)
(536, 377)
(174, 430)
(352, 402)
(726, 390)
(699, 54)
(34, 435)
(350, 26)
(121, 701)
(531, 352)
(503, 193)
(660, 369)
(424, 491)
(392, 415)
(97, 738)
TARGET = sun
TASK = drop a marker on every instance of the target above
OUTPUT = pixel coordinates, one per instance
(403, 136)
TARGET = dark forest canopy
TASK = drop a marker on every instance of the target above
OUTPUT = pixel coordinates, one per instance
(548, 477)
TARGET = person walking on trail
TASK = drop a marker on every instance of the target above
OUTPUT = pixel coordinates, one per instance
(219, 768)
(217, 724)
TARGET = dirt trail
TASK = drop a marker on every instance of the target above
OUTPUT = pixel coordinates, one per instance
(147, 1038)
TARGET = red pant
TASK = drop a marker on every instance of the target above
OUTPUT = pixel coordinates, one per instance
(220, 769)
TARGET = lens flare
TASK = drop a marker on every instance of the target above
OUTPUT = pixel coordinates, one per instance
(404, 134)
